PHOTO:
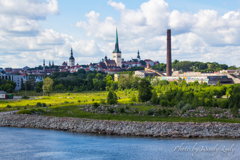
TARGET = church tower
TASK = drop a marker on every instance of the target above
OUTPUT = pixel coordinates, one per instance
(138, 56)
(71, 59)
(117, 55)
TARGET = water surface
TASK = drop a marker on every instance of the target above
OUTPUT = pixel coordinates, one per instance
(23, 143)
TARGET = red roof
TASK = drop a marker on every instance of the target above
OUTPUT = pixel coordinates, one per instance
(148, 60)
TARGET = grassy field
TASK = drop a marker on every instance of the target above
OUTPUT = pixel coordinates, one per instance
(63, 99)
(68, 105)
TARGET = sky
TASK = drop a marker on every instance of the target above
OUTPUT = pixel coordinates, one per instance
(202, 30)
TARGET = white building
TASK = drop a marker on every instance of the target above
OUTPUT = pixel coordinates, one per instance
(15, 78)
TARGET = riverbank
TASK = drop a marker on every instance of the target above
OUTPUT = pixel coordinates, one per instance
(152, 129)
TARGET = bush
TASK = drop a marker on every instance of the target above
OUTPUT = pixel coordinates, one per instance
(93, 100)
(39, 104)
(95, 105)
(110, 110)
(44, 105)
(112, 97)
(234, 110)
(164, 103)
(186, 107)
(133, 98)
(8, 106)
(24, 112)
(102, 101)
(122, 110)
(224, 104)
(150, 112)
(25, 97)
(66, 102)
(79, 101)
(180, 105)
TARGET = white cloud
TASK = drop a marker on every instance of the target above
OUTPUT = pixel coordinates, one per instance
(118, 6)
(24, 42)
(195, 36)
(203, 36)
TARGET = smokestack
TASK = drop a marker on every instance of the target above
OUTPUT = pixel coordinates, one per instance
(169, 54)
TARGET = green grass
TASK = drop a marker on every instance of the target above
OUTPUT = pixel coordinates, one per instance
(60, 99)
(75, 112)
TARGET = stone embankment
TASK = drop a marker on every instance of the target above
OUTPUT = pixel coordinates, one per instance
(153, 129)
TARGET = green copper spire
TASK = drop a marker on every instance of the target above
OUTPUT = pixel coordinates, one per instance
(116, 50)
(116, 36)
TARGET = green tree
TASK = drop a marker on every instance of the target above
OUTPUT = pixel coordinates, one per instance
(133, 98)
(112, 97)
(144, 90)
(47, 85)
(154, 97)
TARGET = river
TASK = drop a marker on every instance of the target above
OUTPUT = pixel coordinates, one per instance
(24, 143)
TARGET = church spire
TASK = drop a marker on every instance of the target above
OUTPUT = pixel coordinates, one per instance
(116, 50)
(71, 52)
(138, 56)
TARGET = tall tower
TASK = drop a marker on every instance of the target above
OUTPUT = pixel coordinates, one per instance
(169, 54)
(117, 55)
(43, 65)
(138, 56)
(53, 63)
(71, 59)
(49, 64)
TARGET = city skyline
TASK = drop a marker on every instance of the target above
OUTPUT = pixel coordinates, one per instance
(47, 30)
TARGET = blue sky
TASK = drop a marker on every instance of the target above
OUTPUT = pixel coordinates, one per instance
(202, 30)
(72, 11)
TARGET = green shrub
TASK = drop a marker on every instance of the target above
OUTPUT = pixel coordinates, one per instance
(44, 105)
(25, 97)
(164, 103)
(234, 110)
(95, 105)
(180, 105)
(8, 106)
(66, 102)
(24, 112)
(169, 111)
(150, 112)
(39, 104)
(159, 112)
(110, 110)
(79, 101)
(133, 98)
(186, 107)
(122, 110)
(93, 99)
(102, 101)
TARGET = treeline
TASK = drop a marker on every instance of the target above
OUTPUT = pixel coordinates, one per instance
(194, 66)
(188, 96)
(76, 82)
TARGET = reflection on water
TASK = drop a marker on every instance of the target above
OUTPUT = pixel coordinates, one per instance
(22, 143)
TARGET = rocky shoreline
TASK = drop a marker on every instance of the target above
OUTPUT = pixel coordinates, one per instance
(151, 129)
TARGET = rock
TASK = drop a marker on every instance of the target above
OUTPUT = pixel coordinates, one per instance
(149, 129)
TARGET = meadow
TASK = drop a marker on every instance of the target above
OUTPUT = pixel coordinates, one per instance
(70, 104)
(62, 99)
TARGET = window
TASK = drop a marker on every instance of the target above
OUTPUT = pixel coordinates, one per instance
(114, 56)
(119, 56)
